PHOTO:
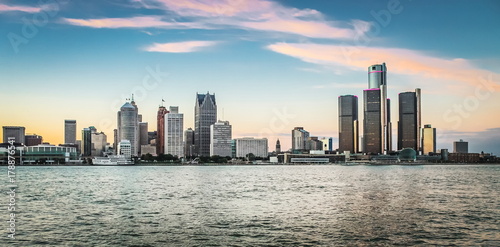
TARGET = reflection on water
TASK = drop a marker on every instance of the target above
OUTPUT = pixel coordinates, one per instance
(258, 205)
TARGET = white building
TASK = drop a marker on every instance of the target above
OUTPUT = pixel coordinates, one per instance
(247, 145)
(125, 148)
(220, 139)
(174, 124)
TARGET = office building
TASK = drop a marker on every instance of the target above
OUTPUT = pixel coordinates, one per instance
(220, 139)
(428, 139)
(125, 148)
(160, 131)
(32, 140)
(99, 141)
(409, 120)
(143, 133)
(378, 136)
(174, 125)
(128, 126)
(205, 114)
(249, 145)
(299, 138)
(86, 142)
(16, 132)
(348, 124)
(189, 147)
(69, 131)
(461, 147)
(327, 143)
(313, 143)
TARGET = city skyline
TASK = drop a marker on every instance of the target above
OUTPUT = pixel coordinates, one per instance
(273, 65)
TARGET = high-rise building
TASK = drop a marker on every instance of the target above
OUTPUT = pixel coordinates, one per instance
(69, 131)
(174, 125)
(428, 139)
(377, 90)
(220, 139)
(278, 146)
(461, 147)
(125, 148)
(313, 143)
(372, 129)
(189, 147)
(299, 138)
(205, 114)
(160, 130)
(348, 124)
(86, 142)
(32, 140)
(128, 126)
(408, 124)
(16, 132)
(143, 133)
(115, 141)
(99, 141)
(249, 145)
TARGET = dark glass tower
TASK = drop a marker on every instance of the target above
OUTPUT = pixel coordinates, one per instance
(407, 124)
(86, 142)
(372, 131)
(348, 123)
(205, 114)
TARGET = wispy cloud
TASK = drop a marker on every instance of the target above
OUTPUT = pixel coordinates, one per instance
(132, 22)
(400, 61)
(6, 8)
(180, 47)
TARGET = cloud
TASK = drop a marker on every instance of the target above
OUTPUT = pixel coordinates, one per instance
(260, 15)
(132, 22)
(5, 8)
(400, 61)
(180, 47)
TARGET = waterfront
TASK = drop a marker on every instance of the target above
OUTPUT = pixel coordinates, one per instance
(258, 205)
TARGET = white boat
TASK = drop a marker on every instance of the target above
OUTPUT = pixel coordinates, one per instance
(112, 160)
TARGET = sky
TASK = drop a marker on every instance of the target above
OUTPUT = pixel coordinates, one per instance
(273, 65)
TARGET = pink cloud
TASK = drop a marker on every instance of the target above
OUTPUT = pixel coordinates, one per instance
(132, 22)
(400, 61)
(5, 8)
(180, 47)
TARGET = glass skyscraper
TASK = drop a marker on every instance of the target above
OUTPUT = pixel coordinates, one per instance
(128, 126)
(205, 114)
(407, 125)
(348, 123)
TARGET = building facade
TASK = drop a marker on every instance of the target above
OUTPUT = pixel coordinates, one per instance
(249, 145)
(428, 139)
(461, 147)
(32, 140)
(220, 139)
(372, 130)
(69, 131)
(409, 121)
(174, 125)
(348, 124)
(125, 148)
(205, 114)
(86, 142)
(189, 147)
(99, 141)
(16, 132)
(299, 138)
(160, 129)
(128, 126)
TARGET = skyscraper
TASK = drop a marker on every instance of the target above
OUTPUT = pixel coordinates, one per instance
(348, 123)
(428, 139)
(174, 124)
(189, 146)
(220, 139)
(408, 124)
(69, 131)
(128, 126)
(17, 132)
(99, 141)
(205, 114)
(160, 130)
(377, 79)
(299, 138)
(143, 133)
(86, 142)
(278, 146)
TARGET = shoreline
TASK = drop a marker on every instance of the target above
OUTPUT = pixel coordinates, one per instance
(267, 164)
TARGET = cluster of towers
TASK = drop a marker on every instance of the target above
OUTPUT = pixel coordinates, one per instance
(377, 125)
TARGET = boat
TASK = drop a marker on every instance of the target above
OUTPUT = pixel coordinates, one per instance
(112, 160)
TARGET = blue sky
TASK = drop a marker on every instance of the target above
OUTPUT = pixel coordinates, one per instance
(273, 65)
